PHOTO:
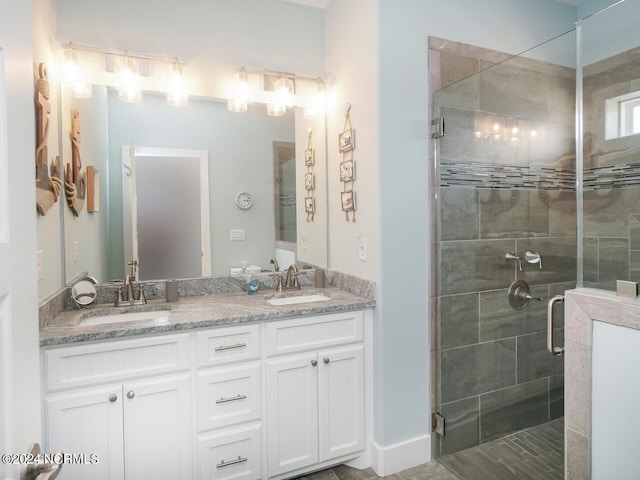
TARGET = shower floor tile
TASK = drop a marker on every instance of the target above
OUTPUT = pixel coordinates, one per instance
(536, 453)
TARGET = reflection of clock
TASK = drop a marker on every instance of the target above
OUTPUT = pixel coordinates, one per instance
(244, 200)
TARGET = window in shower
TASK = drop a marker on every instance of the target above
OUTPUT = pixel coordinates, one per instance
(622, 115)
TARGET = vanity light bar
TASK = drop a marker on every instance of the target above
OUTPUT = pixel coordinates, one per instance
(277, 74)
(121, 53)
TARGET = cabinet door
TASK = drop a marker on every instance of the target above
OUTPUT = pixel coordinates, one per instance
(341, 401)
(88, 422)
(158, 439)
(292, 413)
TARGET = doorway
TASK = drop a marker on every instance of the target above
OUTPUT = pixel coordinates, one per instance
(166, 212)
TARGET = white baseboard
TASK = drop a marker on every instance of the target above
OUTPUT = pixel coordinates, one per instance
(395, 458)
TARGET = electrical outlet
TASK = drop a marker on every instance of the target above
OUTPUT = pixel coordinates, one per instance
(303, 240)
(361, 243)
(40, 264)
(236, 234)
(75, 251)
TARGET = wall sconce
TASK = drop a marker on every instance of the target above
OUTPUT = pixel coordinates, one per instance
(74, 76)
(283, 97)
(177, 94)
(129, 83)
(240, 100)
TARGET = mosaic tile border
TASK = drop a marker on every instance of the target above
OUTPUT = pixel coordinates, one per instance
(614, 176)
(487, 175)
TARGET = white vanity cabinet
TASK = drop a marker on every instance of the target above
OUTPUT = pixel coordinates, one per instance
(127, 401)
(315, 391)
(251, 401)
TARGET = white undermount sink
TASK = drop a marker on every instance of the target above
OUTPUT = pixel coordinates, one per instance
(297, 299)
(156, 316)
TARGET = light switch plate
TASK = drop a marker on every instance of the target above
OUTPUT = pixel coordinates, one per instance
(236, 234)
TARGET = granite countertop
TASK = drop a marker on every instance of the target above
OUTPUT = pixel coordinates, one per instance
(189, 312)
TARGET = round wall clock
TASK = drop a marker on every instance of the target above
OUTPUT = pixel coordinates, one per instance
(244, 200)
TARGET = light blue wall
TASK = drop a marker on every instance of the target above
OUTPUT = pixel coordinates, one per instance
(609, 32)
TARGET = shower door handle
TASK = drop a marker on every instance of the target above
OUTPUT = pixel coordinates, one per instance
(557, 351)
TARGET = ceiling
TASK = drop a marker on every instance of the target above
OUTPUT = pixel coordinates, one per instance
(325, 3)
(312, 3)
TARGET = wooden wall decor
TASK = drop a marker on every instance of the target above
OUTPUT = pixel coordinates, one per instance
(48, 183)
(75, 182)
(309, 179)
(93, 190)
(346, 145)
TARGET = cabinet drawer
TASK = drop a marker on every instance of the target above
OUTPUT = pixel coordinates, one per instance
(96, 363)
(234, 454)
(226, 345)
(228, 396)
(314, 332)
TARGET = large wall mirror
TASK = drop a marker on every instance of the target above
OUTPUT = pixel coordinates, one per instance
(239, 151)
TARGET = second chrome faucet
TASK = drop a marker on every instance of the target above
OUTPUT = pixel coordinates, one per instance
(291, 280)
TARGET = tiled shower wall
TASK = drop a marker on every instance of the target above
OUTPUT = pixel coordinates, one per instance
(504, 183)
(612, 178)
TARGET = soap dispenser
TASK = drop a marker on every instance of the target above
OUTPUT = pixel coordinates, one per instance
(252, 284)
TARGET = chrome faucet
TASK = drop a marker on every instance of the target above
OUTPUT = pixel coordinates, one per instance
(276, 267)
(291, 282)
(128, 285)
(130, 298)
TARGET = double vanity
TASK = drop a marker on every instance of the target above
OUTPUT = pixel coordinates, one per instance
(219, 384)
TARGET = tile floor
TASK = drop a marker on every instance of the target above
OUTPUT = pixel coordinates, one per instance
(533, 454)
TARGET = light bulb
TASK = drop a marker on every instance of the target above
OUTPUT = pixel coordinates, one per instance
(129, 84)
(177, 96)
(239, 102)
(74, 76)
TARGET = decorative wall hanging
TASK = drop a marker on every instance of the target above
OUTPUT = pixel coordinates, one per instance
(93, 190)
(75, 182)
(346, 145)
(309, 179)
(48, 183)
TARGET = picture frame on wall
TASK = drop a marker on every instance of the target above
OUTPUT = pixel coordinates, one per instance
(309, 181)
(346, 141)
(348, 201)
(309, 205)
(347, 171)
(309, 157)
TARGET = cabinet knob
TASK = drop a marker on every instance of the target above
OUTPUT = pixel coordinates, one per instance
(325, 360)
(131, 394)
(113, 397)
(314, 363)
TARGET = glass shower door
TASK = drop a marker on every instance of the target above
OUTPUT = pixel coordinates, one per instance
(504, 195)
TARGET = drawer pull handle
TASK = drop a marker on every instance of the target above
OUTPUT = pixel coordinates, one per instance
(232, 462)
(229, 347)
(113, 397)
(131, 394)
(231, 399)
(325, 360)
(314, 363)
